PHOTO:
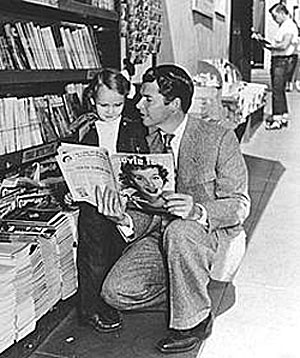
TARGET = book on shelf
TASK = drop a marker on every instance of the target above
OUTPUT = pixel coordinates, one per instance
(36, 38)
(22, 133)
(96, 46)
(74, 51)
(61, 50)
(72, 105)
(8, 124)
(51, 48)
(35, 134)
(59, 116)
(49, 133)
(90, 45)
(79, 45)
(20, 127)
(46, 60)
(139, 180)
(15, 46)
(5, 55)
(68, 50)
(20, 27)
(77, 40)
(33, 46)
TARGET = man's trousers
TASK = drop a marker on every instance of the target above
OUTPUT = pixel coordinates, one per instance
(172, 266)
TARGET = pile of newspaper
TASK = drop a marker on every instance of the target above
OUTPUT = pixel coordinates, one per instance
(37, 269)
(17, 304)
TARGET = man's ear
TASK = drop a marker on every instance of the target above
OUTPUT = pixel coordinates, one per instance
(176, 103)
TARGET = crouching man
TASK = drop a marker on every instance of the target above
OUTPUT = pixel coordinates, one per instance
(172, 262)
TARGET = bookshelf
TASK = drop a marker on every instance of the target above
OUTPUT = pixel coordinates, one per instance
(31, 77)
(67, 9)
(86, 37)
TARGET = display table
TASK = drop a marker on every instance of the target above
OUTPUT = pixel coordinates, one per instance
(249, 100)
(221, 96)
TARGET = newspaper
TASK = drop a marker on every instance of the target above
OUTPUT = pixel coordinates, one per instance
(140, 179)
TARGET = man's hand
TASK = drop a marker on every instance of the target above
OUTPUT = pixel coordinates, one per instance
(182, 205)
(110, 204)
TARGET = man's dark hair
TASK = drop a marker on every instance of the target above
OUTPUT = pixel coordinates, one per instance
(279, 7)
(127, 167)
(173, 82)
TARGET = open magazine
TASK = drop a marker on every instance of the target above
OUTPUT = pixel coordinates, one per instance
(140, 179)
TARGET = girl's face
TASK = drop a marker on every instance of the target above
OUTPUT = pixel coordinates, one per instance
(148, 182)
(109, 104)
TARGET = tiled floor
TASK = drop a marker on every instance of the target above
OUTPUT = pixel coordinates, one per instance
(265, 321)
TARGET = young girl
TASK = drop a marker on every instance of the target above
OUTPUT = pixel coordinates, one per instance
(111, 122)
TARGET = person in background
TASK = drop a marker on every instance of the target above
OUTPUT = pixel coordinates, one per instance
(111, 122)
(282, 50)
(170, 264)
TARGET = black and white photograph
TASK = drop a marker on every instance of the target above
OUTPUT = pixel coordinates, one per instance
(149, 178)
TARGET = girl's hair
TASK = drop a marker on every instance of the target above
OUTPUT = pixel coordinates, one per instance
(108, 77)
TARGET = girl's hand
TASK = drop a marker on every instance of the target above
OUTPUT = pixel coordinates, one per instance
(110, 204)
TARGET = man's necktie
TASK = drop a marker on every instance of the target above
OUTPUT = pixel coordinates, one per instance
(161, 143)
(167, 139)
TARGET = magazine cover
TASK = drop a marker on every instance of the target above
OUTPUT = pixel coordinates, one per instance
(141, 179)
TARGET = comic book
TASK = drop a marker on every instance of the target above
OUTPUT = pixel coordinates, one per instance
(139, 179)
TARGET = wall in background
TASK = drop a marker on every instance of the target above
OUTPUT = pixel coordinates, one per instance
(189, 36)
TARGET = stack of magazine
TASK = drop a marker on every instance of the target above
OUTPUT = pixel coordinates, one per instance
(18, 319)
(65, 243)
(7, 297)
(38, 268)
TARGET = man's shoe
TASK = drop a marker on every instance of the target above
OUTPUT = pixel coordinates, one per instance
(275, 125)
(285, 120)
(107, 321)
(178, 342)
